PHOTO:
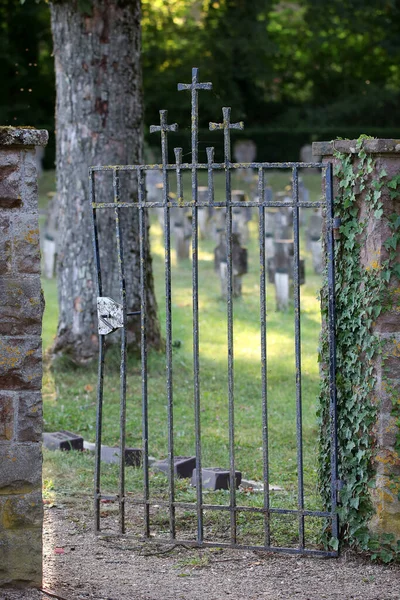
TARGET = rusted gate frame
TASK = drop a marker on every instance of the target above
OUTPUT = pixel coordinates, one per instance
(167, 203)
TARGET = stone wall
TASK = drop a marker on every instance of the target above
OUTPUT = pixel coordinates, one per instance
(21, 309)
(386, 461)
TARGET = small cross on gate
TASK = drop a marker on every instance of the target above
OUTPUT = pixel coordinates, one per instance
(226, 125)
(164, 128)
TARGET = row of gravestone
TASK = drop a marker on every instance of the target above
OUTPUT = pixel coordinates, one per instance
(279, 243)
(212, 478)
(279, 247)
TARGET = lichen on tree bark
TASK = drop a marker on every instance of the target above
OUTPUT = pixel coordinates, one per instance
(99, 121)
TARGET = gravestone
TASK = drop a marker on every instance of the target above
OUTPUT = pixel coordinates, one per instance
(241, 215)
(307, 156)
(157, 195)
(62, 440)
(239, 265)
(49, 244)
(203, 212)
(314, 235)
(153, 178)
(245, 151)
(270, 231)
(282, 261)
(183, 466)
(215, 478)
(181, 225)
(217, 223)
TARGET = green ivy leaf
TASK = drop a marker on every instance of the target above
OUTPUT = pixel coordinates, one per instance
(334, 544)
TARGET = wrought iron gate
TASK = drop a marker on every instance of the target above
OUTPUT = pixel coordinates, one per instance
(113, 315)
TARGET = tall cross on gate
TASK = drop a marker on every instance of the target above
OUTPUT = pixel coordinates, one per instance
(226, 125)
(195, 86)
(164, 128)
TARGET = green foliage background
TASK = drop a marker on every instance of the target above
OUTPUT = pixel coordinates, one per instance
(292, 71)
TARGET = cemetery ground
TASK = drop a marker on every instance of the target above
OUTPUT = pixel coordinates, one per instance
(119, 569)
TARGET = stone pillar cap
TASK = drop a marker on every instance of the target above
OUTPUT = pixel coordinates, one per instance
(23, 136)
(372, 146)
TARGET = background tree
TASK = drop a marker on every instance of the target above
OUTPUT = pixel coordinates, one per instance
(99, 121)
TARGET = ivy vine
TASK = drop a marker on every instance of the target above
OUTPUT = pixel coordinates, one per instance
(362, 294)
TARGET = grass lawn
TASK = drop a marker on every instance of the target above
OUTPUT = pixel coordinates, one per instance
(70, 392)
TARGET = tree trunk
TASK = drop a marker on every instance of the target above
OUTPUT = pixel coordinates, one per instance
(99, 119)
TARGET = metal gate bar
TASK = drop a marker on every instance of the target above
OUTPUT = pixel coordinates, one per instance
(142, 205)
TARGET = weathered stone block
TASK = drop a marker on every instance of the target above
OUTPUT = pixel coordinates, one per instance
(216, 478)
(183, 465)
(62, 440)
(21, 136)
(21, 557)
(10, 179)
(20, 363)
(21, 468)
(29, 185)
(29, 424)
(21, 306)
(26, 244)
(6, 416)
(5, 245)
(17, 511)
(133, 456)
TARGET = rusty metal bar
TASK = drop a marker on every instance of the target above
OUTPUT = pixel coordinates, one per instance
(194, 87)
(263, 332)
(164, 128)
(143, 349)
(100, 375)
(122, 422)
(297, 335)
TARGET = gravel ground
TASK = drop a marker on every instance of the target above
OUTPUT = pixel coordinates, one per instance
(99, 569)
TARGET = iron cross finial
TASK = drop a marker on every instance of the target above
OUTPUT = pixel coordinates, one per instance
(194, 87)
(164, 128)
(226, 125)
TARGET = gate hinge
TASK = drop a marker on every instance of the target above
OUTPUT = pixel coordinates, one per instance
(336, 223)
(339, 486)
(110, 315)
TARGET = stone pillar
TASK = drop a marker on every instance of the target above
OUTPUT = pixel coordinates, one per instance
(20, 360)
(386, 393)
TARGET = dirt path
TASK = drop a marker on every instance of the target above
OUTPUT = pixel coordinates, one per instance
(97, 569)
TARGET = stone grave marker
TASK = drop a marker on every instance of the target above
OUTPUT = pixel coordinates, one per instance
(62, 440)
(314, 235)
(183, 466)
(281, 275)
(215, 478)
(181, 224)
(306, 155)
(111, 454)
(245, 151)
(239, 264)
(270, 231)
(203, 212)
(49, 243)
(153, 179)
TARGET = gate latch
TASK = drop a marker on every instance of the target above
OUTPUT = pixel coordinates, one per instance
(110, 315)
(336, 223)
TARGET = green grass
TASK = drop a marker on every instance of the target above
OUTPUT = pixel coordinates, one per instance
(70, 392)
